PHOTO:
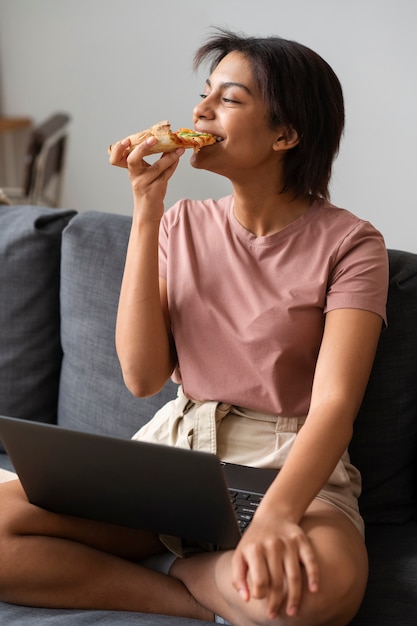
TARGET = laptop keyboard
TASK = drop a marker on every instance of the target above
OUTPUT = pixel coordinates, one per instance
(245, 505)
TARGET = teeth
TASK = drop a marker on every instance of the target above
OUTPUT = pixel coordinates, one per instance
(219, 138)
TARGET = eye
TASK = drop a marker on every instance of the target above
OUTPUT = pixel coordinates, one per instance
(230, 101)
(203, 95)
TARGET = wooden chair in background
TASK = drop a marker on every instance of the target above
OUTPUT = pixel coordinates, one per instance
(44, 164)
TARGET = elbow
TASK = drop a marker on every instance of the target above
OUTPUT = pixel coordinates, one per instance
(145, 375)
(143, 387)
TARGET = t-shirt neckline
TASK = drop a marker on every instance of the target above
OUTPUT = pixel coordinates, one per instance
(268, 240)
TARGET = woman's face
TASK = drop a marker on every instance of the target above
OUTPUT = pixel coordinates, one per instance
(231, 109)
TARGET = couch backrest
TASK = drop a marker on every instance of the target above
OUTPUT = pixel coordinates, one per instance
(384, 445)
(92, 393)
(30, 346)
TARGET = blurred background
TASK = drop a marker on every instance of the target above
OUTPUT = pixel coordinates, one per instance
(119, 67)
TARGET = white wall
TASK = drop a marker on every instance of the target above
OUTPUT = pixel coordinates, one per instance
(118, 67)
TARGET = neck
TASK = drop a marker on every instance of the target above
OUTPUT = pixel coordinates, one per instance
(265, 214)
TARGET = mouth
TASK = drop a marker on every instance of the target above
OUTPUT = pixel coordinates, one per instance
(218, 138)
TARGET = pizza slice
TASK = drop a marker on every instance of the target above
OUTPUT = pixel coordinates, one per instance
(167, 140)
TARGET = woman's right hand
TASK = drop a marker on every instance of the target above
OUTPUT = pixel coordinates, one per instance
(149, 181)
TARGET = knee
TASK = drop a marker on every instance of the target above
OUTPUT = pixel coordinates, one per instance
(13, 502)
(334, 604)
(11, 518)
(339, 599)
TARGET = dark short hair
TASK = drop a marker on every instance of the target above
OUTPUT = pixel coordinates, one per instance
(301, 92)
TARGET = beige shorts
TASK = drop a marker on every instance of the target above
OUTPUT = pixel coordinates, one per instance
(6, 475)
(247, 437)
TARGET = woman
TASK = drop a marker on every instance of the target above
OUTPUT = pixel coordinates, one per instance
(267, 307)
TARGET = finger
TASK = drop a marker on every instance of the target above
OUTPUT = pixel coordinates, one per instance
(277, 582)
(119, 153)
(136, 154)
(175, 159)
(293, 576)
(239, 574)
(309, 560)
(259, 577)
(161, 170)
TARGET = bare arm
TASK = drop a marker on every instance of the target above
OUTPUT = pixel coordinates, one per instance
(343, 367)
(341, 376)
(143, 339)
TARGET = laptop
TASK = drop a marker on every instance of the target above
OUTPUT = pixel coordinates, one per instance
(186, 493)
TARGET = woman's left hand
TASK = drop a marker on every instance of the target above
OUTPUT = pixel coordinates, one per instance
(268, 564)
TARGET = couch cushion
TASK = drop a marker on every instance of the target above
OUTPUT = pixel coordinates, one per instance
(391, 594)
(14, 615)
(384, 446)
(30, 355)
(92, 393)
(5, 462)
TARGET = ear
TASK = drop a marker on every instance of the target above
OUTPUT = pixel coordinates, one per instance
(287, 139)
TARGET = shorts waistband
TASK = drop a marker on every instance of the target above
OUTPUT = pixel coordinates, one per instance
(209, 413)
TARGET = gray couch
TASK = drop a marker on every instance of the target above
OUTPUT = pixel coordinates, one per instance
(60, 275)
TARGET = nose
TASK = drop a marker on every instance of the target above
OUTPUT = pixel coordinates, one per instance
(203, 110)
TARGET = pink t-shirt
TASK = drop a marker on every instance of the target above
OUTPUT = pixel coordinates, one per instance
(247, 312)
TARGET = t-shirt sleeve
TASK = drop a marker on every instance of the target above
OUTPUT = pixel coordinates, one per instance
(359, 276)
(169, 220)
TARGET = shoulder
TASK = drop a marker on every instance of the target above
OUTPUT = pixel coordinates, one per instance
(338, 219)
(345, 232)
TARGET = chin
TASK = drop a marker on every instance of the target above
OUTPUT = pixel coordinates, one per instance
(197, 161)
(204, 164)
(203, 160)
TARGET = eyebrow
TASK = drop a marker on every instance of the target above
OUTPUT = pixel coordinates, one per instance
(231, 84)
